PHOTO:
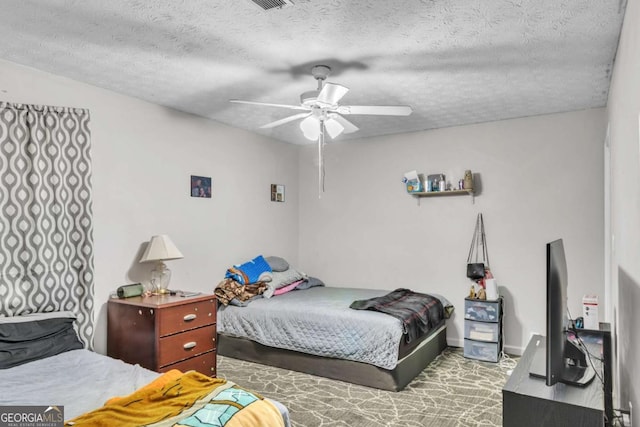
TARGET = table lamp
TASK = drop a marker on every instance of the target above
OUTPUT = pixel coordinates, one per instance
(159, 249)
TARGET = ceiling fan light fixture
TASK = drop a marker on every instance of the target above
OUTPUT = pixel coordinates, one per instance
(347, 126)
(310, 128)
(333, 127)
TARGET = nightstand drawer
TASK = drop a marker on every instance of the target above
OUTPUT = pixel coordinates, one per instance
(182, 346)
(188, 316)
(205, 364)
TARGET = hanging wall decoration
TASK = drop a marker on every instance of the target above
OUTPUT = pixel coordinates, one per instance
(201, 186)
(277, 193)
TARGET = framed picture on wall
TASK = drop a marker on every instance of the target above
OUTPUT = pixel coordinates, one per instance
(277, 193)
(200, 186)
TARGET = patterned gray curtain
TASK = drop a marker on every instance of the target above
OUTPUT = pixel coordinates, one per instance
(46, 232)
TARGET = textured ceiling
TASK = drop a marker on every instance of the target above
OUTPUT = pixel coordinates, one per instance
(454, 62)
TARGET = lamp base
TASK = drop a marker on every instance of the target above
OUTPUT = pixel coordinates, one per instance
(160, 278)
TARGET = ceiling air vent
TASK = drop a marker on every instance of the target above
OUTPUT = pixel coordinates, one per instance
(272, 4)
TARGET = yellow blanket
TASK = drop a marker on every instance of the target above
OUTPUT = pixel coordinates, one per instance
(190, 399)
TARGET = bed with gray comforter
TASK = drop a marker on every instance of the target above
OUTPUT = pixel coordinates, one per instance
(317, 322)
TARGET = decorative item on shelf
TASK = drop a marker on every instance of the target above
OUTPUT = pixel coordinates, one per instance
(468, 180)
(159, 249)
(413, 182)
(434, 181)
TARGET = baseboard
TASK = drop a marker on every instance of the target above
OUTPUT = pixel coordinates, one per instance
(455, 342)
(511, 349)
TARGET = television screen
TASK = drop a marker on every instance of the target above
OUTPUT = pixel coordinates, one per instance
(561, 358)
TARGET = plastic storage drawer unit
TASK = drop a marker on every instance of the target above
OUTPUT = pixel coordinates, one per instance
(481, 331)
(487, 351)
(486, 311)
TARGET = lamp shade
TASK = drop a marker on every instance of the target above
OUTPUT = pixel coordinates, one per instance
(160, 248)
(310, 128)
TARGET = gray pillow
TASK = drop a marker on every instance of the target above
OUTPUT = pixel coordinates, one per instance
(32, 337)
(282, 279)
(448, 307)
(277, 264)
(310, 283)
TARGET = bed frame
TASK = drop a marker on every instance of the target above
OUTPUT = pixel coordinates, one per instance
(344, 370)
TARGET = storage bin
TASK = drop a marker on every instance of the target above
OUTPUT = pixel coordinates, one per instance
(481, 350)
(481, 331)
(487, 311)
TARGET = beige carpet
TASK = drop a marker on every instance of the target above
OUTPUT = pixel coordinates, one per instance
(451, 391)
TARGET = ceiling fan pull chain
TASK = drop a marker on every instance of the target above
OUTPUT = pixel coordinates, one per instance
(321, 161)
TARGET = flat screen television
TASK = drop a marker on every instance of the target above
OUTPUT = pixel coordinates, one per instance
(560, 357)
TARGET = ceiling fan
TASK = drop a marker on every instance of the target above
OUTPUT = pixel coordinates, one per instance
(322, 111)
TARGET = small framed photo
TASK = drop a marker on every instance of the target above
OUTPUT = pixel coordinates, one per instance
(201, 186)
(277, 193)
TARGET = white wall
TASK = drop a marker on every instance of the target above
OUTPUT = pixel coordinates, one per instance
(624, 116)
(540, 178)
(143, 156)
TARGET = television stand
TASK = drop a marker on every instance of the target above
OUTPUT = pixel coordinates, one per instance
(528, 401)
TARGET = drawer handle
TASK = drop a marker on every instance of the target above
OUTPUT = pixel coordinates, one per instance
(189, 345)
(189, 317)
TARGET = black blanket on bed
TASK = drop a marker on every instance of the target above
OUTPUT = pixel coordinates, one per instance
(419, 313)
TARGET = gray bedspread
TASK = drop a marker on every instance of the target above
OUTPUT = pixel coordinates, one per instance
(318, 321)
(79, 380)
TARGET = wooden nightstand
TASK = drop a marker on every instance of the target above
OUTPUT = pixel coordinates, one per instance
(164, 332)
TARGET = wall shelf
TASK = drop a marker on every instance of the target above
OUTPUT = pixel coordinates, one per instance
(422, 194)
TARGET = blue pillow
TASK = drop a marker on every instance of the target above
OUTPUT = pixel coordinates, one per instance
(249, 272)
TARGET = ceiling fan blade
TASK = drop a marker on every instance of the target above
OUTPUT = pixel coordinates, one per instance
(331, 93)
(346, 124)
(268, 104)
(378, 110)
(285, 120)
